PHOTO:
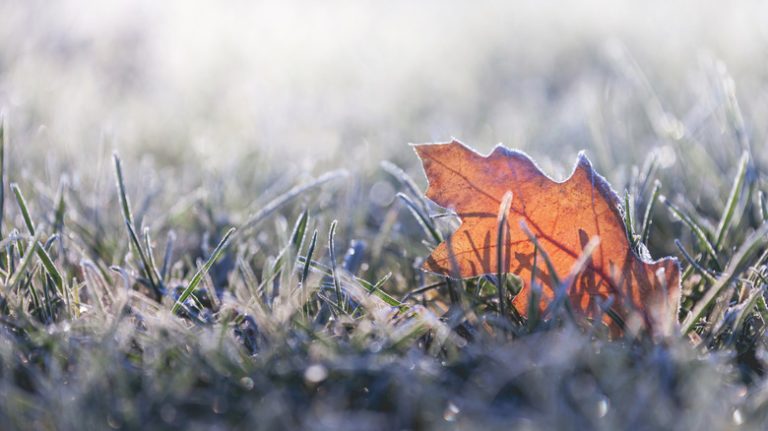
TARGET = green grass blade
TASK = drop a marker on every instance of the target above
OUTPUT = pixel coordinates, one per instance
(44, 313)
(24, 209)
(50, 268)
(167, 256)
(45, 258)
(561, 296)
(332, 250)
(420, 290)
(733, 200)
(308, 259)
(695, 265)
(375, 289)
(646, 229)
(629, 223)
(534, 292)
(401, 176)
(547, 261)
(299, 231)
(755, 295)
(736, 265)
(198, 277)
(696, 229)
(145, 265)
(560, 287)
(501, 230)
(125, 205)
(422, 218)
(151, 257)
(23, 264)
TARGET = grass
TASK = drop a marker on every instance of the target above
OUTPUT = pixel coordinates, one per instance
(274, 333)
(287, 301)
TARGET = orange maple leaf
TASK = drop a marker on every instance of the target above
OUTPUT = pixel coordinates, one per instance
(562, 217)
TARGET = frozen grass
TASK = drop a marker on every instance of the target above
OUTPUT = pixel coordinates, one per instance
(127, 300)
(274, 328)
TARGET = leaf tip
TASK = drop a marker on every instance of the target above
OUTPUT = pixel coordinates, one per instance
(583, 162)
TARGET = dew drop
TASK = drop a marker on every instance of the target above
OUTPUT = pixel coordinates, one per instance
(315, 373)
(602, 407)
(451, 412)
(247, 383)
(737, 418)
(113, 422)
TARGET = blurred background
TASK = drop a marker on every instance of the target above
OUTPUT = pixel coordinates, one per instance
(264, 93)
(319, 81)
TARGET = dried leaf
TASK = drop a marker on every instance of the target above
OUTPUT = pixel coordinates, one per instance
(563, 217)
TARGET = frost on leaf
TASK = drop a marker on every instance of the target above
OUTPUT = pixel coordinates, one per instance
(562, 216)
